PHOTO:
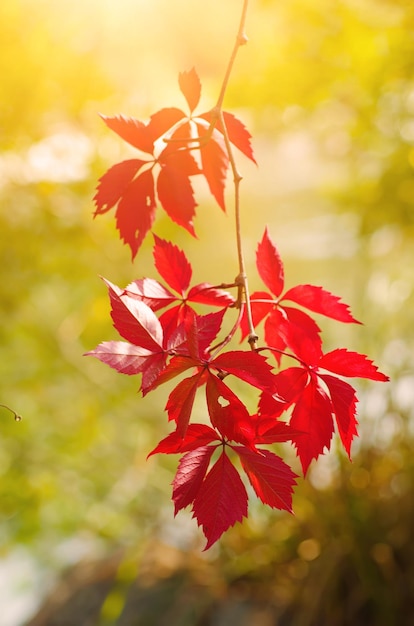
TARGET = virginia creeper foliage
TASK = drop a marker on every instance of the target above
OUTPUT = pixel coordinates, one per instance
(172, 330)
(170, 162)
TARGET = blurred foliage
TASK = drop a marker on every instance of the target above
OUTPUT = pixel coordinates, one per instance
(328, 93)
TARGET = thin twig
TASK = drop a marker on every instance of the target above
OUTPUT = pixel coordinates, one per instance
(17, 417)
(241, 39)
(214, 349)
(241, 279)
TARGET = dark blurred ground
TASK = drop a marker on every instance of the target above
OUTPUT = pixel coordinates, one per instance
(347, 561)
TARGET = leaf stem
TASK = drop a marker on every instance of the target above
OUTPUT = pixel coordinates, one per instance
(214, 350)
(283, 353)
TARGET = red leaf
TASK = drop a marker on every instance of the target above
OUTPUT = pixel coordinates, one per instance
(302, 320)
(289, 384)
(131, 130)
(121, 356)
(201, 332)
(190, 87)
(174, 189)
(177, 139)
(197, 435)
(134, 320)
(344, 402)
(163, 120)
(274, 326)
(347, 363)
(175, 367)
(181, 400)
(176, 336)
(129, 359)
(227, 413)
(221, 500)
(301, 333)
(150, 291)
(172, 265)
(180, 159)
(248, 366)
(113, 184)
(271, 406)
(271, 478)
(154, 365)
(136, 211)
(214, 165)
(237, 133)
(272, 431)
(313, 416)
(204, 293)
(189, 477)
(320, 301)
(270, 265)
(171, 320)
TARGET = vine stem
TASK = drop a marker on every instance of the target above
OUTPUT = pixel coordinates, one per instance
(241, 279)
(241, 39)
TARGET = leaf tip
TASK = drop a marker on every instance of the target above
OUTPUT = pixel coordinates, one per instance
(190, 87)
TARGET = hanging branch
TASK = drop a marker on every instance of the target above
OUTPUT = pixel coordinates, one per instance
(165, 337)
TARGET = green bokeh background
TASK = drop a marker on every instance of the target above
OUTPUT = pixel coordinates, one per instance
(327, 90)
